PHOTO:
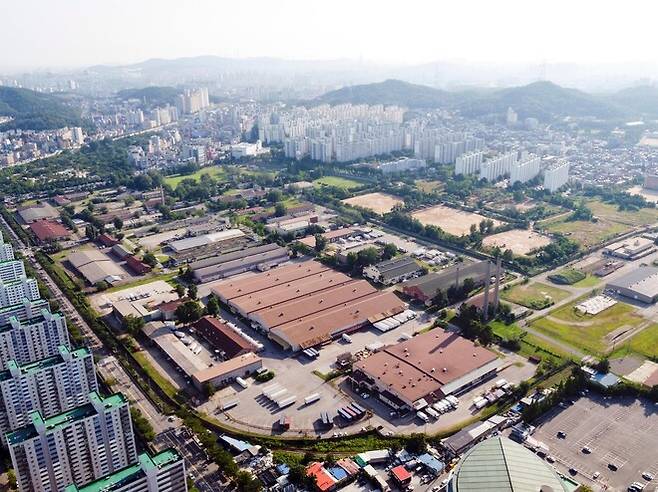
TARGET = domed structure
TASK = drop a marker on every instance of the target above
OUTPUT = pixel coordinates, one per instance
(500, 464)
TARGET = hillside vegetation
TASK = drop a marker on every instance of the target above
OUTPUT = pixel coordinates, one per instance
(32, 110)
(543, 100)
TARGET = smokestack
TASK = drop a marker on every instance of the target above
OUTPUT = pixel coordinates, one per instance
(497, 284)
(485, 304)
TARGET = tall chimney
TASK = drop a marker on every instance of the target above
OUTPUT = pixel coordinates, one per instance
(497, 284)
(485, 304)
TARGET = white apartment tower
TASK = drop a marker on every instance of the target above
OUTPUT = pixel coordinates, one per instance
(493, 169)
(11, 270)
(14, 292)
(525, 169)
(74, 447)
(6, 250)
(163, 472)
(51, 386)
(556, 176)
(23, 310)
(468, 163)
(32, 340)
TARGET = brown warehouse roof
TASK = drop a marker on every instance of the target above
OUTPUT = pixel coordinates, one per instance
(288, 291)
(308, 331)
(247, 285)
(312, 303)
(425, 363)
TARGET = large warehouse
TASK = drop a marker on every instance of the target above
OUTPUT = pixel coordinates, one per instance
(96, 266)
(426, 367)
(424, 288)
(306, 304)
(640, 284)
(258, 257)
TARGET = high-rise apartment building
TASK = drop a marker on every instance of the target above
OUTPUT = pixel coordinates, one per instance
(15, 291)
(493, 169)
(163, 472)
(556, 176)
(525, 169)
(469, 163)
(193, 100)
(74, 447)
(34, 339)
(11, 270)
(23, 310)
(6, 250)
(51, 386)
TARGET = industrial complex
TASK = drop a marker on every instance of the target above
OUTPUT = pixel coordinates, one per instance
(307, 304)
(417, 372)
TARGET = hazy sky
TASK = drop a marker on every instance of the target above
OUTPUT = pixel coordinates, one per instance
(55, 33)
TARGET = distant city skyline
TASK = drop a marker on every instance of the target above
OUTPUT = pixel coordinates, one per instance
(39, 34)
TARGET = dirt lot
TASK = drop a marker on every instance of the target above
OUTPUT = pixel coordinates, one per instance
(520, 241)
(618, 431)
(453, 221)
(380, 203)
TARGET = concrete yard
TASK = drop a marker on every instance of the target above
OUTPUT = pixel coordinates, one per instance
(619, 430)
(296, 375)
(157, 291)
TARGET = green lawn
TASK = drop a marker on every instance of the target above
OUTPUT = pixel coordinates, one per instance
(530, 345)
(338, 182)
(567, 276)
(645, 343)
(159, 379)
(589, 281)
(611, 222)
(587, 332)
(212, 171)
(534, 296)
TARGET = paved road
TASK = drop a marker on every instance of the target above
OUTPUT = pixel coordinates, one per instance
(108, 365)
(110, 368)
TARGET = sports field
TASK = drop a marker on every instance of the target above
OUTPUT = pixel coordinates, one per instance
(593, 334)
(380, 203)
(451, 220)
(211, 171)
(520, 241)
(534, 296)
(338, 182)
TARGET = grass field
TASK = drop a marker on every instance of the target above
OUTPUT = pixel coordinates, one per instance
(587, 332)
(534, 296)
(589, 281)
(429, 186)
(644, 343)
(159, 379)
(338, 182)
(611, 222)
(567, 276)
(531, 346)
(212, 171)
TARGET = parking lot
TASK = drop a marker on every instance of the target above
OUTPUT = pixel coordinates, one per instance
(618, 431)
(301, 376)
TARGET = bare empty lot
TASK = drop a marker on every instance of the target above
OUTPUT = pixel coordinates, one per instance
(380, 203)
(619, 431)
(451, 220)
(520, 241)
